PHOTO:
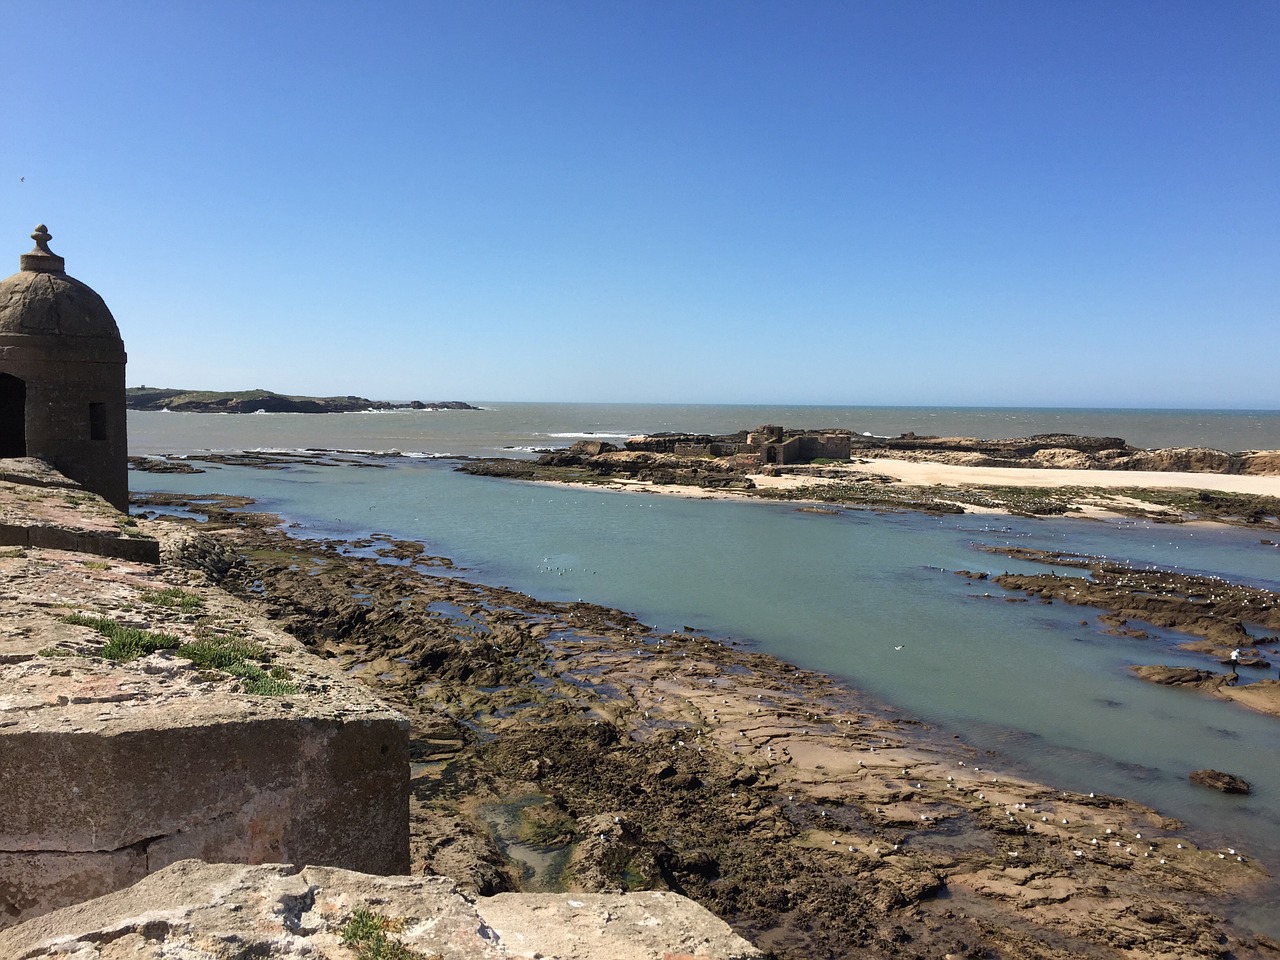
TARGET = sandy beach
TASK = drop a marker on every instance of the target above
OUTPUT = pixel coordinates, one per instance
(1095, 494)
(926, 473)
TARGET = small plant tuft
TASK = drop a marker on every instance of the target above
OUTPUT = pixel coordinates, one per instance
(368, 934)
(235, 655)
(221, 653)
(260, 683)
(174, 597)
(123, 643)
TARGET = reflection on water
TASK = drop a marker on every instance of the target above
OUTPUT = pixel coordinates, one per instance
(543, 864)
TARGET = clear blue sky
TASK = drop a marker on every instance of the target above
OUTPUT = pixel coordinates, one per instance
(865, 202)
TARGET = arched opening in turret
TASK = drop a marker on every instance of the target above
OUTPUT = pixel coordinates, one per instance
(13, 416)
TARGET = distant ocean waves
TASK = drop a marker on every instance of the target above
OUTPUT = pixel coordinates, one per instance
(523, 428)
(595, 435)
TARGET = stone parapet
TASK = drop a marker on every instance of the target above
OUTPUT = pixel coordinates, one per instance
(112, 769)
(40, 507)
(214, 910)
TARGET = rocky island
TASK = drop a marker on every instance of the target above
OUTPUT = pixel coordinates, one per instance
(1052, 474)
(265, 401)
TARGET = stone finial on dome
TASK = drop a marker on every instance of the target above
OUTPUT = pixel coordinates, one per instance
(41, 259)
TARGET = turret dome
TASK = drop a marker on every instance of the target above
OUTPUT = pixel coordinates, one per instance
(41, 300)
(62, 376)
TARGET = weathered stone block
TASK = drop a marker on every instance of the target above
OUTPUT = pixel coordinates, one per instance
(207, 910)
(112, 770)
(273, 789)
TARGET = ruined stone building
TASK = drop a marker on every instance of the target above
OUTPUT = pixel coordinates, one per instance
(62, 375)
(768, 444)
(774, 445)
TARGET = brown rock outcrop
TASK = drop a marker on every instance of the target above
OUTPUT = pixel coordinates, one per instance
(1182, 460)
(1226, 782)
(1067, 452)
(1181, 677)
(1013, 448)
(592, 448)
(1260, 462)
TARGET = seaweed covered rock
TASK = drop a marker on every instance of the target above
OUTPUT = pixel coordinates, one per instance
(1226, 782)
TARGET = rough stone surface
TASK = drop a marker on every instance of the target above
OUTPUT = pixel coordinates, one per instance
(42, 304)
(39, 507)
(110, 770)
(1066, 452)
(201, 911)
(1180, 676)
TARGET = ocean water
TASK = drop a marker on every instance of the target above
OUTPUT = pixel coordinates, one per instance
(1051, 695)
(515, 429)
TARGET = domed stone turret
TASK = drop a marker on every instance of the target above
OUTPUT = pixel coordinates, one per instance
(62, 375)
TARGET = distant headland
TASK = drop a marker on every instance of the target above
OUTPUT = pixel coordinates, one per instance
(265, 401)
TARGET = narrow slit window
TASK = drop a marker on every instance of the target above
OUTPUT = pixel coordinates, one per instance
(97, 421)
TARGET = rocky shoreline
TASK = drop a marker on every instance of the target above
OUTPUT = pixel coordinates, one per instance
(566, 746)
(698, 464)
(1215, 611)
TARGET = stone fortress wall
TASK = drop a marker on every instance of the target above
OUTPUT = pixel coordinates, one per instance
(111, 770)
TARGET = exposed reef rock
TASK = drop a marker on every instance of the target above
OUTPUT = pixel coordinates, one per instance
(1207, 607)
(1066, 452)
(1181, 676)
(655, 468)
(1054, 451)
(1215, 613)
(1015, 448)
(1226, 782)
